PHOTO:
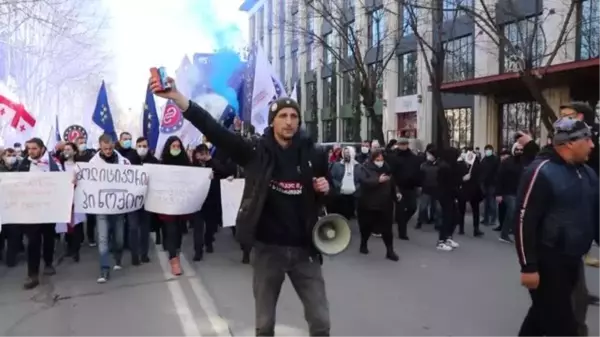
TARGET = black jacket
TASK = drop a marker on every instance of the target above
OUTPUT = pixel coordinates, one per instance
(489, 169)
(135, 158)
(557, 210)
(509, 173)
(373, 194)
(85, 155)
(212, 209)
(257, 157)
(406, 168)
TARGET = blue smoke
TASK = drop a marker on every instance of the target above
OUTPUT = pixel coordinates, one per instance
(225, 63)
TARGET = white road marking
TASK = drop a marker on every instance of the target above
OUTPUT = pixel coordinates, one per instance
(219, 325)
(182, 307)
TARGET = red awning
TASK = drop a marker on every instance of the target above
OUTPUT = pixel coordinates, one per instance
(577, 74)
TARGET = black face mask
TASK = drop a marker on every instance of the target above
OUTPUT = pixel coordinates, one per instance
(518, 153)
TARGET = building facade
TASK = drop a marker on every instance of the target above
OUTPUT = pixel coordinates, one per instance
(484, 100)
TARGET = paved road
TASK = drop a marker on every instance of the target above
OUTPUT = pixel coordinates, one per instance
(471, 291)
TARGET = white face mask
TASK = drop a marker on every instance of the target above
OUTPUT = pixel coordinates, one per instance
(378, 163)
(142, 151)
(488, 153)
(82, 147)
(10, 160)
(364, 150)
(430, 157)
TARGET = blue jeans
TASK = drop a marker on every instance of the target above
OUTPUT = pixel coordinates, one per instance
(425, 208)
(490, 207)
(107, 224)
(139, 232)
(510, 202)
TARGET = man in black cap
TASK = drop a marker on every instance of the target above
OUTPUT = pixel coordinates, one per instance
(557, 203)
(285, 176)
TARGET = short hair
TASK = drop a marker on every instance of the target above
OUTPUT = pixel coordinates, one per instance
(17, 144)
(37, 141)
(141, 139)
(124, 133)
(489, 147)
(9, 150)
(376, 153)
(72, 145)
(105, 138)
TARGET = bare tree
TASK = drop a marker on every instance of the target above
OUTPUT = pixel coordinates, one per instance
(51, 48)
(528, 50)
(360, 53)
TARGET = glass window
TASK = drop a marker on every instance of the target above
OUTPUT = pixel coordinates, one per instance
(376, 78)
(407, 74)
(450, 8)
(312, 99)
(406, 20)
(327, 56)
(376, 27)
(330, 93)
(460, 126)
(270, 14)
(458, 62)
(350, 4)
(348, 129)
(347, 88)
(521, 116)
(523, 46)
(589, 29)
(350, 36)
(261, 21)
(329, 131)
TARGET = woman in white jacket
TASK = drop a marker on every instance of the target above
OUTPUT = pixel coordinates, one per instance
(74, 235)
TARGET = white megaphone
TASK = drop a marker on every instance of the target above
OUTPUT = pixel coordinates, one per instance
(331, 234)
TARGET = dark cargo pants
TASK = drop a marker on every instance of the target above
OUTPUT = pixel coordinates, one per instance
(271, 264)
(581, 301)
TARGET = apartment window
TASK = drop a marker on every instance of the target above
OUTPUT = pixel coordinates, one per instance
(525, 46)
(282, 68)
(261, 21)
(407, 74)
(519, 116)
(312, 127)
(295, 27)
(348, 88)
(376, 27)
(588, 33)
(451, 8)
(460, 126)
(329, 131)
(294, 65)
(350, 35)
(348, 129)
(407, 21)
(458, 65)
(330, 93)
(327, 56)
(310, 20)
(376, 78)
(309, 56)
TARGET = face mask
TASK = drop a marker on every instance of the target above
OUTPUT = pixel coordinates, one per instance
(175, 153)
(378, 163)
(142, 151)
(430, 157)
(126, 144)
(82, 147)
(67, 155)
(364, 150)
(209, 145)
(488, 153)
(10, 160)
(18, 149)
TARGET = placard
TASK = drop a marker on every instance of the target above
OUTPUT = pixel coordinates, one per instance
(36, 197)
(176, 190)
(231, 199)
(109, 188)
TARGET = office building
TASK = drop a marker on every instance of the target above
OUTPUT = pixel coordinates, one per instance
(484, 99)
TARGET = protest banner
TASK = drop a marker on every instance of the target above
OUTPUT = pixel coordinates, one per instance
(109, 188)
(36, 197)
(176, 190)
(231, 198)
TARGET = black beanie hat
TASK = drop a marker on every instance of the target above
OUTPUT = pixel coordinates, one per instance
(284, 102)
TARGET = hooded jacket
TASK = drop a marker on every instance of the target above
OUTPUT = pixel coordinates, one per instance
(341, 168)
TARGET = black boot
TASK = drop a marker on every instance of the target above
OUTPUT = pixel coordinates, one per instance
(199, 255)
(31, 282)
(477, 233)
(245, 257)
(391, 255)
(364, 249)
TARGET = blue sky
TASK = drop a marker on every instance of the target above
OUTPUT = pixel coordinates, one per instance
(147, 33)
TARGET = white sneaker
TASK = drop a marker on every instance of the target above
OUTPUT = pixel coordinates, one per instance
(452, 243)
(92, 244)
(443, 246)
(101, 279)
(117, 267)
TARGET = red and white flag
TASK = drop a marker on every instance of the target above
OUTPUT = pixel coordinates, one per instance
(16, 115)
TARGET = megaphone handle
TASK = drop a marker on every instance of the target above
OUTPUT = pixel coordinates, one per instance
(324, 210)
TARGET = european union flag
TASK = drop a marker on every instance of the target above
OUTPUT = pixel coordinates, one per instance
(57, 130)
(151, 125)
(102, 116)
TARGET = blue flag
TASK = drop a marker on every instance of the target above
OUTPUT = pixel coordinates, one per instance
(151, 124)
(102, 116)
(57, 130)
